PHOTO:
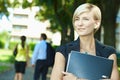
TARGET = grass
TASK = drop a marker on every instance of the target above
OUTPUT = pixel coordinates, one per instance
(4, 68)
(5, 55)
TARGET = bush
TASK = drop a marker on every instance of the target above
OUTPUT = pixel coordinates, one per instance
(6, 56)
(12, 45)
(2, 44)
(11, 59)
(54, 46)
(31, 46)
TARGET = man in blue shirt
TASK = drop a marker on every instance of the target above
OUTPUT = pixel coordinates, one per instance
(39, 58)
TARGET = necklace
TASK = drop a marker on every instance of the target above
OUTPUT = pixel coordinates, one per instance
(86, 51)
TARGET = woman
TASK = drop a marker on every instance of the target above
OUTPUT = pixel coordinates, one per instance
(86, 21)
(21, 58)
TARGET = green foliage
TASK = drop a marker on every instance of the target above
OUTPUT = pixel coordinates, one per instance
(12, 45)
(26, 4)
(36, 3)
(93, 1)
(54, 46)
(1, 44)
(3, 7)
(6, 56)
(11, 59)
(59, 12)
(31, 46)
(118, 61)
(15, 4)
(8, 59)
(3, 38)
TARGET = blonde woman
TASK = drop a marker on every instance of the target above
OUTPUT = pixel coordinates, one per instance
(86, 21)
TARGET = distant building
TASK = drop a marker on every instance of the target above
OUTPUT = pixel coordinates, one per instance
(24, 23)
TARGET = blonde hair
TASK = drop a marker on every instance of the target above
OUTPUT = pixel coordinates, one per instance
(87, 7)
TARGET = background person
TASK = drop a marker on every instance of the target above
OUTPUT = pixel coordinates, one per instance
(21, 58)
(86, 21)
(39, 58)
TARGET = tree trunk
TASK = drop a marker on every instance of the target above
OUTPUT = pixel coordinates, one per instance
(65, 21)
(109, 21)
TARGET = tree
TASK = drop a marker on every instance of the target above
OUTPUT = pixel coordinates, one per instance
(60, 12)
(3, 7)
(109, 20)
(109, 14)
(64, 12)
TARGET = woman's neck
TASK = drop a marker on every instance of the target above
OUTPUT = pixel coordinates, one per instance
(87, 44)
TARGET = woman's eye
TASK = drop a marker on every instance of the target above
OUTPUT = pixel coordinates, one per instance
(76, 19)
(85, 19)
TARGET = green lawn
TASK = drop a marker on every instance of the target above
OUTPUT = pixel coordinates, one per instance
(4, 68)
(6, 56)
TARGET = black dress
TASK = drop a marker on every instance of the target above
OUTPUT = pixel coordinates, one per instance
(101, 49)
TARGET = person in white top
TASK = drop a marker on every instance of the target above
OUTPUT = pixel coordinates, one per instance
(39, 58)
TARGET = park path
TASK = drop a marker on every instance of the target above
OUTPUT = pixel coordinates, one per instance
(9, 75)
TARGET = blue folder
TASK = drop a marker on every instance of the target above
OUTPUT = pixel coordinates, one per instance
(88, 66)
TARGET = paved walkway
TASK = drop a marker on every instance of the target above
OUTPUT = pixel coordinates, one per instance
(9, 75)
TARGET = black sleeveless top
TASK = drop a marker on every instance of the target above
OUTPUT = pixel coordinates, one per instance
(101, 49)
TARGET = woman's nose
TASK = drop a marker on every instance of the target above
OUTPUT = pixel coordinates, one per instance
(80, 22)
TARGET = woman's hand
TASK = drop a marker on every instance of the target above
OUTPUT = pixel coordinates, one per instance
(69, 76)
(105, 79)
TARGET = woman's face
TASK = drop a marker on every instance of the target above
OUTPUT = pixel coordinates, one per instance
(84, 24)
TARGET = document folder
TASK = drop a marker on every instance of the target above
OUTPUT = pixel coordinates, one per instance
(88, 66)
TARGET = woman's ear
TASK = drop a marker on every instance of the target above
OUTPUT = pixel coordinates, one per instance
(95, 27)
(97, 24)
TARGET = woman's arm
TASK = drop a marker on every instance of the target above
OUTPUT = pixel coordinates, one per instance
(58, 67)
(115, 72)
(27, 55)
(114, 75)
